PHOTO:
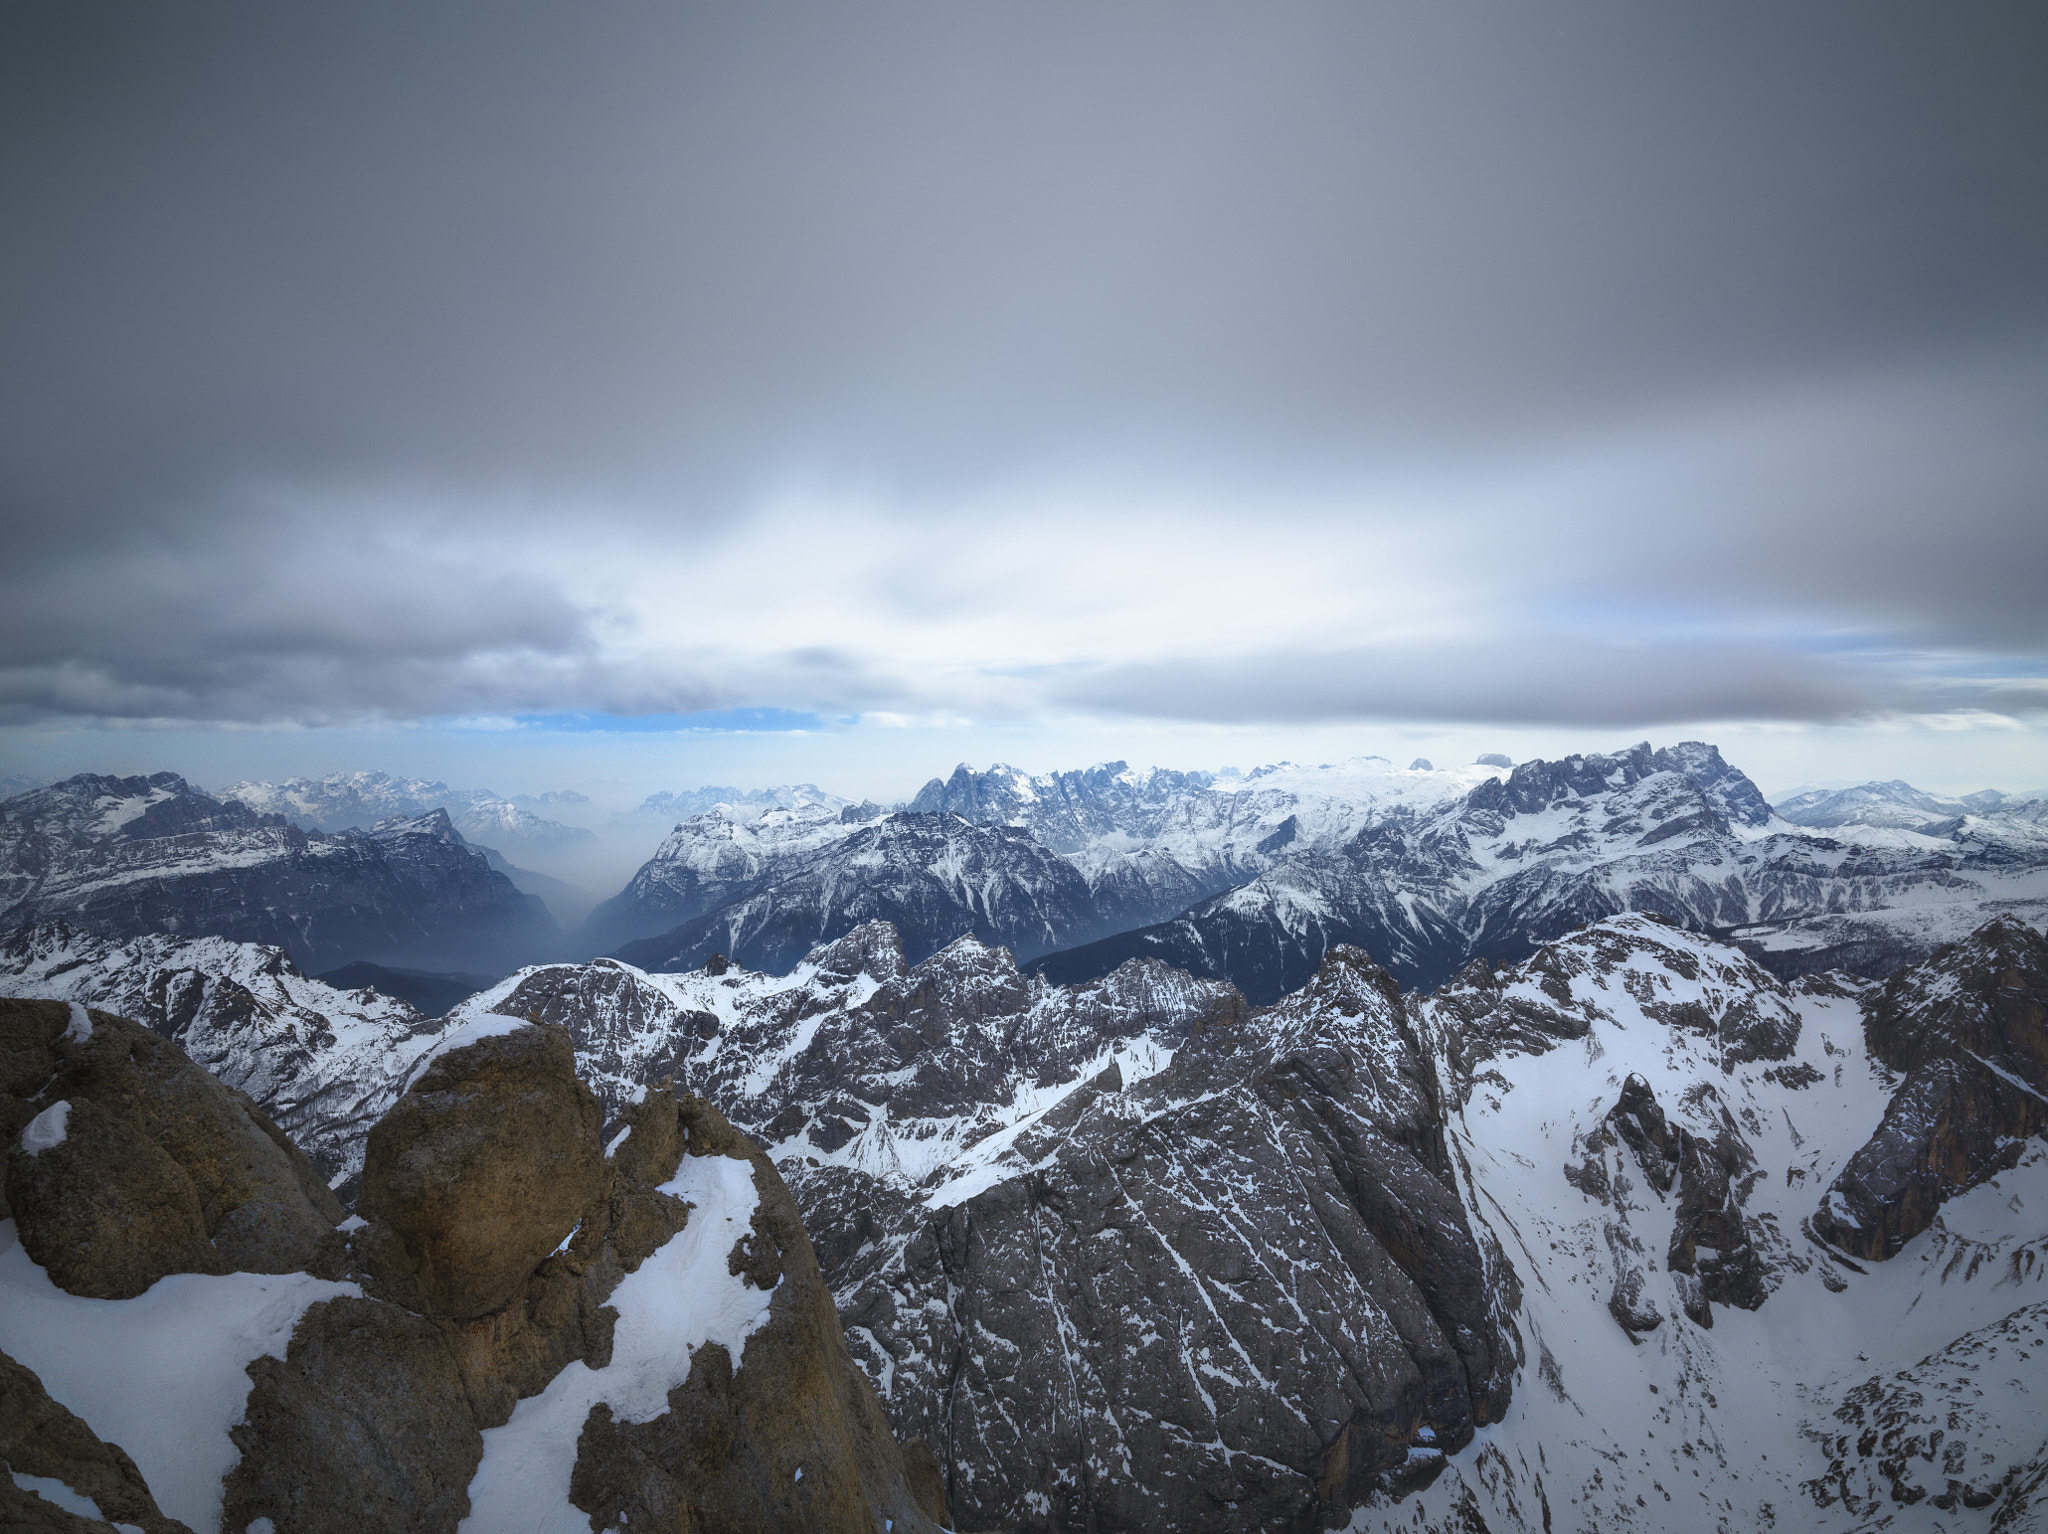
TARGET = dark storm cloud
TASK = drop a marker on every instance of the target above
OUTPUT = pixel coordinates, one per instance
(451, 286)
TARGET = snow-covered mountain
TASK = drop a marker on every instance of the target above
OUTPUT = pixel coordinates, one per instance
(1634, 1219)
(1252, 877)
(934, 876)
(1143, 842)
(344, 801)
(134, 856)
(1153, 842)
(1527, 857)
(1899, 806)
(324, 1063)
(669, 807)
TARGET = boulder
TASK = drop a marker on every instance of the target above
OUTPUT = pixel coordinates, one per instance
(482, 1167)
(262, 1203)
(101, 1207)
(364, 1425)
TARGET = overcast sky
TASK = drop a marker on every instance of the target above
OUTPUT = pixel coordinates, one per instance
(434, 386)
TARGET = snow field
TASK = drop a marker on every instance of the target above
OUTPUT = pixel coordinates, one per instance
(163, 1375)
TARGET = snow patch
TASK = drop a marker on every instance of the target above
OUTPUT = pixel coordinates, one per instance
(679, 1299)
(46, 1130)
(79, 1031)
(163, 1375)
(491, 1025)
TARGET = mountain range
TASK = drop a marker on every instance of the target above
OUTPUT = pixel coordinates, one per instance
(1253, 878)
(1631, 1234)
(126, 857)
(1244, 877)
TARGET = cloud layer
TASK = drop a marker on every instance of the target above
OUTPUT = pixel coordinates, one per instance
(1590, 368)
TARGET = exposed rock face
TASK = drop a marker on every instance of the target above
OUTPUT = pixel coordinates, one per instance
(1248, 1273)
(479, 1171)
(1969, 1030)
(151, 1165)
(103, 1210)
(1710, 1240)
(363, 1425)
(40, 1438)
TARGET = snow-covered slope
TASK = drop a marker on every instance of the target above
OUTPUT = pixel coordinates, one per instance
(128, 856)
(1826, 1393)
(324, 1063)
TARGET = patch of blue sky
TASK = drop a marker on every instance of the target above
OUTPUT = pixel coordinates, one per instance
(752, 721)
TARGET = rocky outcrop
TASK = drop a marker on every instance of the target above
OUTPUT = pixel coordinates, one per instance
(100, 1207)
(481, 1169)
(511, 1265)
(133, 1163)
(1711, 1241)
(41, 1439)
(487, 1300)
(1968, 1028)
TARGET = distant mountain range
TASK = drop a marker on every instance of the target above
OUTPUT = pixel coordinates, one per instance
(129, 857)
(1252, 878)
(1902, 807)
(352, 800)
(1241, 877)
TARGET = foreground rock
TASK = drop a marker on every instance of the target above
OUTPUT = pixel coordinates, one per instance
(128, 1162)
(479, 1171)
(537, 1334)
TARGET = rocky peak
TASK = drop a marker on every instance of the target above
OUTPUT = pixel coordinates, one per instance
(1968, 1027)
(1983, 996)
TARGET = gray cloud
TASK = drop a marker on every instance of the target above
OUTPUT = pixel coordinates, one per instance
(349, 358)
(1521, 679)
